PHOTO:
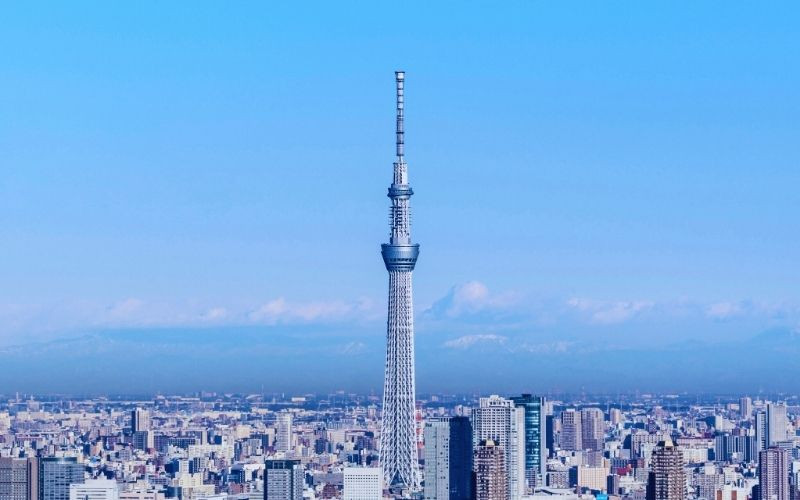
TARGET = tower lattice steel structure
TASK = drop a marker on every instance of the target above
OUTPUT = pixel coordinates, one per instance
(398, 440)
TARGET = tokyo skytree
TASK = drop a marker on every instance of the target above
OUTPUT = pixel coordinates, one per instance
(398, 439)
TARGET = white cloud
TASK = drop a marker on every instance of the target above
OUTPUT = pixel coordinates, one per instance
(470, 297)
(470, 340)
(23, 322)
(559, 346)
(723, 310)
(125, 309)
(352, 348)
(281, 311)
(215, 314)
(604, 312)
(510, 344)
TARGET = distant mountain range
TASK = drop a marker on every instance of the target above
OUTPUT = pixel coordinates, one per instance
(292, 358)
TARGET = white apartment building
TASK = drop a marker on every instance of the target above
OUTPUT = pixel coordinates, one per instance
(94, 489)
(363, 483)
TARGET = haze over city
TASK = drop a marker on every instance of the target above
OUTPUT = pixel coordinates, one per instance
(192, 197)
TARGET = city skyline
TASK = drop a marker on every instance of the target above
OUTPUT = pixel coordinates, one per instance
(620, 190)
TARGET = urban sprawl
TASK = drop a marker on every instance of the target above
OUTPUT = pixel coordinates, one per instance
(254, 447)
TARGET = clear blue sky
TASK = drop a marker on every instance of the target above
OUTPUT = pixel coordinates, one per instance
(588, 175)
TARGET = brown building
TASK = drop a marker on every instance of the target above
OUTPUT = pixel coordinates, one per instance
(667, 479)
(489, 471)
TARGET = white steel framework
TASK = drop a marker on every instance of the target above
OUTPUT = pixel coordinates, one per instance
(398, 438)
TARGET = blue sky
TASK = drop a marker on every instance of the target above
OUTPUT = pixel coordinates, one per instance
(590, 178)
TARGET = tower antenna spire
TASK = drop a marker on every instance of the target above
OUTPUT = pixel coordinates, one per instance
(400, 77)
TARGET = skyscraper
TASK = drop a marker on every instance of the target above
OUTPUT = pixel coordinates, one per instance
(283, 432)
(592, 429)
(666, 480)
(776, 424)
(535, 437)
(33, 478)
(398, 440)
(745, 407)
(490, 474)
(571, 430)
(283, 480)
(612, 484)
(773, 474)
(14, 479)
(552, 426)
(56, 474)
(762, 437)
(499, 420)
(448, 458)
(140, 420)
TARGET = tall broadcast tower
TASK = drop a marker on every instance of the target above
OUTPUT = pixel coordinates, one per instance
(398, 440)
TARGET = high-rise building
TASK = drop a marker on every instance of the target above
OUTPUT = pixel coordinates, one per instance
(571, 430)
(448, 458)
(614, 416)
(140, 420)
(500, 421)
(612, 484)
(762, 438)
(552, 428)
(776, 424)
(592, 429)
(745, 407)
(490, 474)
(33, 478)
(363, 483)
(14, 479)
(667, 479)
(283, 432)
(398, 441)
(94, 489)
(283, 480)
(56, 474)
(143, 440)
(773, 474)
(535, 437)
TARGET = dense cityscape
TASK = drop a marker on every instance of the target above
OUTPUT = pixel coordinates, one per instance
(210, 446)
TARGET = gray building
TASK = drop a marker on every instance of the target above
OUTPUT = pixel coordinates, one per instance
(776, 424)
(448, 458)
(14, 474)
(571, 430)
(773, 474)
(283, 480)
(592, 429)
